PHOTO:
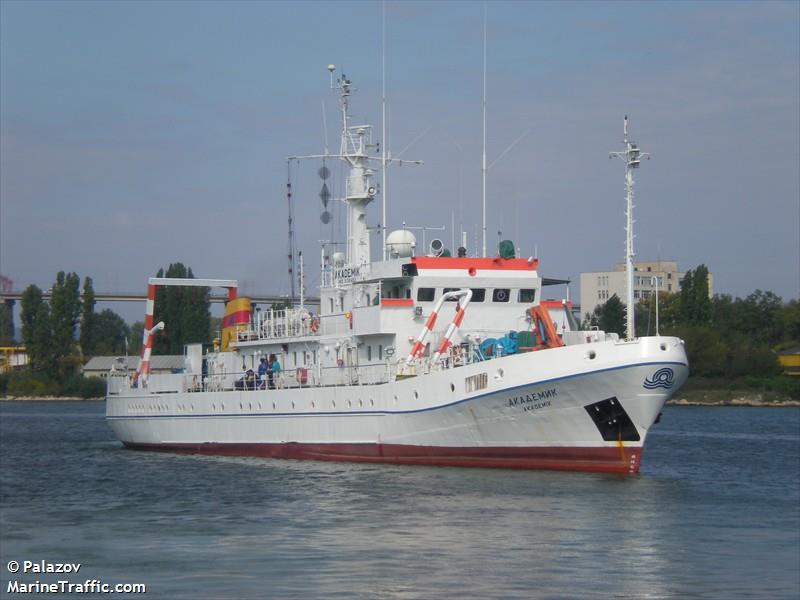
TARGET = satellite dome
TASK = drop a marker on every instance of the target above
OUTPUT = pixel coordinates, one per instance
(401, 243)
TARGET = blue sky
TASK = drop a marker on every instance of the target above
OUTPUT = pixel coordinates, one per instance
(137, 134)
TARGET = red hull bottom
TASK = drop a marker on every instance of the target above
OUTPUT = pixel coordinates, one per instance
(622, 460)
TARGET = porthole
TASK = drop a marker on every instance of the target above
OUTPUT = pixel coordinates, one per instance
(452, 387)
(241, 406)
(371, 402)
(663, 347)
(192, 407)
(292, 403)
(349, 404)
(250, 405)
(222, 406)
(499, 374)
(591, 355)
(333, 403)
(273, 406)
(360, 403)
(394, 398)
(313, 405)
(416, 395)
(259, 406)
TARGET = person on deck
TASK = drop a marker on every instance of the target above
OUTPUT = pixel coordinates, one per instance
(274, 370)
(263, 368)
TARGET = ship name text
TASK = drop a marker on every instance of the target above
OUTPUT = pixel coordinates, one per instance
(534, 400)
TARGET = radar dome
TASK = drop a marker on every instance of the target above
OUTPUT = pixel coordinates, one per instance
(401, 243)
(338, 259)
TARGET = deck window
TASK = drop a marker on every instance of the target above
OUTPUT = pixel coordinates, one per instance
(527, 296)
(426, 294)
(501, 295)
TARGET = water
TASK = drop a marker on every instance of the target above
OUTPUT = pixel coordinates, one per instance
(715, 513)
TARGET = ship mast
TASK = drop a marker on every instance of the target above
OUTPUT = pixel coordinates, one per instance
(356, 140)
(631, 155)
(355, 145)
(483, 159)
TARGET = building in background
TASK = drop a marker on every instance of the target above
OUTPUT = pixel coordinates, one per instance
(103, 366)
(12, 357)
(598, 287)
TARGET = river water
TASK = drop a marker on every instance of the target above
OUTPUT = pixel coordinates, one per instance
(714, 513)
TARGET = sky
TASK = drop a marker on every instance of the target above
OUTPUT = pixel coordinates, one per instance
(137, 134)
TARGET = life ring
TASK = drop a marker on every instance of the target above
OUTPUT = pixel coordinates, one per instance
(314, 325)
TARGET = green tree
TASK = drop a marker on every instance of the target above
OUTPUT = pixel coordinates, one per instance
(610, 317)
(746, 356)
(135, 338)
(215, 328)
(37, 332)
(759, 316)
(789, 317)
(65, 310)
(701, 309)
(765, 309)
(705, 349)
(687, 297)
(112, 333)
(729, 314)
(695, 302)
(184, 310)
(6, 324)
(87, 329)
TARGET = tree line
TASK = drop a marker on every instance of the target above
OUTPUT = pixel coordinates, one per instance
(725, 337)
(62, 334)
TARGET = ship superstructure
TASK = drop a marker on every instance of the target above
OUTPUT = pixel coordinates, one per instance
(421, 358)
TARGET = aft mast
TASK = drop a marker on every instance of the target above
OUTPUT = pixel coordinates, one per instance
(631, 155)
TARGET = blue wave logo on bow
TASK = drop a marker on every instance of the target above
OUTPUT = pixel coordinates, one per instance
(660, 379)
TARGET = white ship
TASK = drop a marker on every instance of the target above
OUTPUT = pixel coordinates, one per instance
(422, 358)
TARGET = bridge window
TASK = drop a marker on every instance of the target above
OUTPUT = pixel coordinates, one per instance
(501, 295)
(478, 295)
(527, 295)
(425, 294)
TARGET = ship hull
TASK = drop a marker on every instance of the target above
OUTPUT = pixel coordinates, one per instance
(623, 460)
(554, 409)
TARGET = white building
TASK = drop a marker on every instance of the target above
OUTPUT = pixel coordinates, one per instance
(598, 287)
